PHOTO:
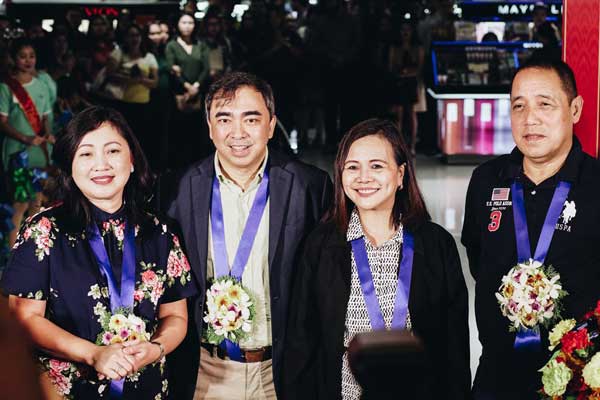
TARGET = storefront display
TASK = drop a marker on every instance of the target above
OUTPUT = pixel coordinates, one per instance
(471, 86)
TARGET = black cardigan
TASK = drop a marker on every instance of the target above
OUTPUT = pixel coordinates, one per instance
(438, 305)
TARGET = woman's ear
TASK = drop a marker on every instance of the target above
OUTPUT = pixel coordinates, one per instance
(401, 172)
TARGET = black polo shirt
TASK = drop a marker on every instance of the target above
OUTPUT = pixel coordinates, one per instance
(489, 236)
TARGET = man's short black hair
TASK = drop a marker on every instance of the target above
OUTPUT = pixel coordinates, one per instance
(561, 68)
(226, 86)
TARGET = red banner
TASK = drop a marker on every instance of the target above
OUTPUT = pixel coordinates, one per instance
(581, 44)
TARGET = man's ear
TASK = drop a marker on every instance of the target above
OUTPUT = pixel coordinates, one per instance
(272, 125)
(209, 127)
(576, 108)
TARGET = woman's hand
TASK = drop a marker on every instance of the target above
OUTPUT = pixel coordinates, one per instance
(143, 353)
(112, 362)
(193, 90)
(50, 138)
(34, 140)
(176, 69)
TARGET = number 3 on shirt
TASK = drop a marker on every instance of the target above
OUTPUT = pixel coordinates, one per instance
(495, 218)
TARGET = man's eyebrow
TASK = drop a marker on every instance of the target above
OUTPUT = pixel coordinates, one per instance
(252, 112)
(544, 96)
(222, 114)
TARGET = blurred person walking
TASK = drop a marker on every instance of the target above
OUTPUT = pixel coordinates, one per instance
(405, 66)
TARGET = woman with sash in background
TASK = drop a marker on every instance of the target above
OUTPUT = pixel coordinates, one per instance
(25, 105)
(97, 282)
(378, 234)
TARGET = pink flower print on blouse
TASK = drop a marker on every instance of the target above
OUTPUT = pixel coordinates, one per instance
(42, 233)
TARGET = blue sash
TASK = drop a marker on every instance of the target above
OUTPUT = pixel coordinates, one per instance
(242, 254)
(124, 299)
(529, 339)
(402, 288)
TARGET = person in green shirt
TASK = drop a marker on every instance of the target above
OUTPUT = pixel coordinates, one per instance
(187, 59)
(24, 122)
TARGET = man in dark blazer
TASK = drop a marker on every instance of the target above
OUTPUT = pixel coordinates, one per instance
(240, 114)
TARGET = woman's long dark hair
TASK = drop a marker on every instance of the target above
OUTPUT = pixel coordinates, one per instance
(182, 14)
(143, 37)
(409, 206)
(76, 205)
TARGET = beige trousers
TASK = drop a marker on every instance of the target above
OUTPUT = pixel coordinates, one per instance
(231, 380)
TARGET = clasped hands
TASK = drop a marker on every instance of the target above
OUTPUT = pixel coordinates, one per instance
(191, 90)
(119, 360)
(39, 140)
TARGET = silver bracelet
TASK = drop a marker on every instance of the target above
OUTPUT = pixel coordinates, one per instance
(162, 350)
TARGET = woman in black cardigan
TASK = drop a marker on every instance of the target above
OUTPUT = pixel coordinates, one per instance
(378, 208)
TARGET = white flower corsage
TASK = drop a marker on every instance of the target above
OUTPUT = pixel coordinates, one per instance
(229, 311)
(530, 295)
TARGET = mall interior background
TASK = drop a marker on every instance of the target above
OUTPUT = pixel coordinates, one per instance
(331, 64)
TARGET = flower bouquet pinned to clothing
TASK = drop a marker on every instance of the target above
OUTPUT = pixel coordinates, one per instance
(121, 326)
(573, 371)
(229, 311)
(530, 295)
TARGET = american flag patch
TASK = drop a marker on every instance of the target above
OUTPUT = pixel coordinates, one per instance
(500, 194)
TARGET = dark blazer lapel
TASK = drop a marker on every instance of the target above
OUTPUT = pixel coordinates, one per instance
(418, 262)
(280, 183)
(201, 195)
(337, 255)
(342, 251)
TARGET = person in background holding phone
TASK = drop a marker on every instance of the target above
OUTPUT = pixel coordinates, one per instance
(134, 70)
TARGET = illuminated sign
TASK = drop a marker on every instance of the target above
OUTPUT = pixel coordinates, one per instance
(89, 8)
(107, 11)
(506, 11)
(525, 9)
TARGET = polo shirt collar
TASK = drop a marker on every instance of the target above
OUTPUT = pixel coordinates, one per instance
(257, 179)
(568, 172)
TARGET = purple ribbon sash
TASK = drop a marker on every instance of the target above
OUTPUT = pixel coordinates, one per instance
(368, 287)
(242, 254)
(124, 299)
(529, 339)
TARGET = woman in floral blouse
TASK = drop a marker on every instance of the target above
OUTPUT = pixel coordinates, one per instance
(97, 282)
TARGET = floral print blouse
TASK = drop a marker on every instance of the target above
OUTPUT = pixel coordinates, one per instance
(48, 263)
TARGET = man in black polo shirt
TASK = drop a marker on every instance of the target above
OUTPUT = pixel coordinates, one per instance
(544, 108)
